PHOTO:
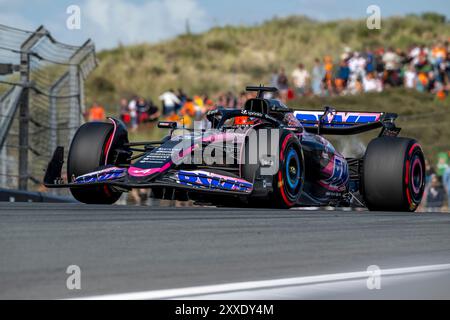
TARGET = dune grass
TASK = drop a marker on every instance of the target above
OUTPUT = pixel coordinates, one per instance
(229, 58)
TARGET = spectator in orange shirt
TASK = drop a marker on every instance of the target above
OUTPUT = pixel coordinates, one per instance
(188, 108)
(96, 112)
(439, 52)
(422, 83)
(328, 65)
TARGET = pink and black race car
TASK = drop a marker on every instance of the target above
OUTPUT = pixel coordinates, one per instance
(265, 155)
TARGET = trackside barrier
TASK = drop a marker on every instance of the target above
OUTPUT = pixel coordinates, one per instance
(41, 101)
(9, 195)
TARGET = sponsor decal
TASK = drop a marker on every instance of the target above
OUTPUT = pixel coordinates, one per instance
(208, 180)
(337, 119)
(101, 175)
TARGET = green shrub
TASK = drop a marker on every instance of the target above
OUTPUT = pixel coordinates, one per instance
(102, 85)
(222, 46)
(434, 17)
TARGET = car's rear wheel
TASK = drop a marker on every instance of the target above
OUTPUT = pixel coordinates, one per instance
(393, 175)
(92, 148)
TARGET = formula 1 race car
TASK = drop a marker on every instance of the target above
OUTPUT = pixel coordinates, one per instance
(265, 155)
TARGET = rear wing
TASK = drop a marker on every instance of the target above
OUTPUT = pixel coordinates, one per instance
(334, 122)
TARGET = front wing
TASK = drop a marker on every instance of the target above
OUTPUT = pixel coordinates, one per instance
(191, 180)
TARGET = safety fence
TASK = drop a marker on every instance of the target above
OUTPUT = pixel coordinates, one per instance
(41, 101)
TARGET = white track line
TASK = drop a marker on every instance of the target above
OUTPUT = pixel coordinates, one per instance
(265, 284)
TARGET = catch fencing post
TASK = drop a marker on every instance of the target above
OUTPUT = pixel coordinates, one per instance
(24, 110)
(57, 86)
(81, 65)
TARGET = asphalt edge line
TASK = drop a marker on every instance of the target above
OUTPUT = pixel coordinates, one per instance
(261, 284)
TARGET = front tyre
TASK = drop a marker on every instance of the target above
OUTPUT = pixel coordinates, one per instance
(288, 181)
(90, 149)
(393, 176)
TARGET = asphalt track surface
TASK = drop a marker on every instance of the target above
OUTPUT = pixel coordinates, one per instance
(124, 249)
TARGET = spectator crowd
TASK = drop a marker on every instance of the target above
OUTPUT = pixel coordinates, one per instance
(437, 185)
(422, 68)
(174, 106)
(132, 112)
(426, 69)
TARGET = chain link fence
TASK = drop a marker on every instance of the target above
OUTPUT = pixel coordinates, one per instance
(41, 101)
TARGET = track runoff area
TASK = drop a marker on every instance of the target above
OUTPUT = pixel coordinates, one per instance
(73, 251)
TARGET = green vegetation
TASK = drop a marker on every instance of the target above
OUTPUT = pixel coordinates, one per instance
(228, 58)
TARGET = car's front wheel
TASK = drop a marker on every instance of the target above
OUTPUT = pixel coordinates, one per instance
(287, 169)
(91, 148)
(288, 181)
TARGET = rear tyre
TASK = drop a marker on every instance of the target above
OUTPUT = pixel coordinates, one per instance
(393, 177)
(88, 152)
